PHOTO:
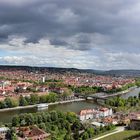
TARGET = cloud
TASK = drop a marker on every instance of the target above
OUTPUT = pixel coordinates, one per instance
(86, 34)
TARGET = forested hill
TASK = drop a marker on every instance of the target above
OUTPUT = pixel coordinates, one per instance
(123, 72)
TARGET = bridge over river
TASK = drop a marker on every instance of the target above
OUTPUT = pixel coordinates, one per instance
(93, 96)
(104, 96)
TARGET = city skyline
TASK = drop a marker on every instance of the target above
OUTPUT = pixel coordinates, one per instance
(92, 34)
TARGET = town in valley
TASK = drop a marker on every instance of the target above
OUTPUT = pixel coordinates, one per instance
(69, 70)
(110, 97)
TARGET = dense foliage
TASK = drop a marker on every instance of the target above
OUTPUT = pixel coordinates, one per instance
(86, 89)
(24, 101)
(138, 82)
(95, 89)
(121, 102)
(123, 88)
(61, 125)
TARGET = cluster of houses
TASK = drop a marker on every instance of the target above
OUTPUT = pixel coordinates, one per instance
(94, 114)
(9, 88)
(69, 78)
(12, 88)
(106, 82)
(32, 133)
(105, 116)
(13, 85)
(26, 133)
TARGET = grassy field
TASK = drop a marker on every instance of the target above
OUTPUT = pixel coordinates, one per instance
(122, 135)
(102, 134)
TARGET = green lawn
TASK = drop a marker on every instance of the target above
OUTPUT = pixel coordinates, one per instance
(122, 135)
(104, 133)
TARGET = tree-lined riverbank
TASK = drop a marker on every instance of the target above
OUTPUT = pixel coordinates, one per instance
(6, 116)
(32, 106)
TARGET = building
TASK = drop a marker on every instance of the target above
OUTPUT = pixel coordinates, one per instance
(97, 124)
(3, 130)
(32, 133)
(43, 79)
(135, 124)
(104, 112)
(94, 114)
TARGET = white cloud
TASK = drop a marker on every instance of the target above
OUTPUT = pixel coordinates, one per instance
(83, 34)
(45, 54)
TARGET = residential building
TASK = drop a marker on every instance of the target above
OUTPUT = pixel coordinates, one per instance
(32, 133)
(135, 124)
(94, 114)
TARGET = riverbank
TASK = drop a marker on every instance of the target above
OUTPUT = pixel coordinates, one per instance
(17, 108)
(69, 101)
(33, 106)
(107, 95)
(127, 90)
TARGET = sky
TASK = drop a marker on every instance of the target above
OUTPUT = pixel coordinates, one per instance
(85, 34)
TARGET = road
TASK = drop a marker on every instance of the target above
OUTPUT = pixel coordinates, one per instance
(118, 129)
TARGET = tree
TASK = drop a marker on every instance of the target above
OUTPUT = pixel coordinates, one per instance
(29, 119)
(76, 135)
(8, 102)
(11, 134)
(34, 99)
(76, 125)
(14, 102)
(42, 126)
(71, 117)
(15, 121)
(67, 92)
(68, 136)
(52, 97)
(120, 103)
(139, 95)
(23, 123)
(85, 136)
(2, 104)
(14, 137)
(42, 99)
(39, 119)
(22, 101)
(54, 116)
(55, 122)
(90, 132)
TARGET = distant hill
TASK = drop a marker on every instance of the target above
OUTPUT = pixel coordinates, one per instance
(123, 72)
(135, 73)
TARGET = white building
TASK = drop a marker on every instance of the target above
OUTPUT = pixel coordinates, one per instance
(43, 79)
(94, 114)
(86, 114)
(3, 130)
(104, 112)
(97, 124)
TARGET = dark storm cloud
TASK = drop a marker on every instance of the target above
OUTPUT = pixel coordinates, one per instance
(91, 22)
(58, 42)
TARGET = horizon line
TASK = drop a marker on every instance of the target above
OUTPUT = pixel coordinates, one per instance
(14, 65)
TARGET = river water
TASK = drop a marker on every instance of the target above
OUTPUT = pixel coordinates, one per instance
(6, 116)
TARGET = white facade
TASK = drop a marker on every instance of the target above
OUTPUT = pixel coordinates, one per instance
(89, 116)
(94, 114)
(3, 130)
(82, 117)
(104, 112)
(43, 79)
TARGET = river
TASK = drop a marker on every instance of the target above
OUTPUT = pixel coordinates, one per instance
(134, 92)
(6, 116)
